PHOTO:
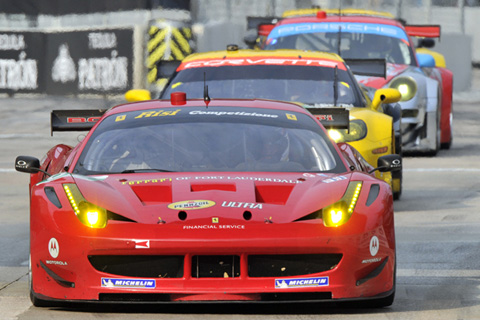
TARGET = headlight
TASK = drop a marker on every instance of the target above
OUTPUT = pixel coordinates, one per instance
(358, 131)
(89, 214)
(338, 213)
(407, 87)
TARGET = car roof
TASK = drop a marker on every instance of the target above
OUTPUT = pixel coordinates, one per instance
(246, 103)
(337, 11)
(336, 18)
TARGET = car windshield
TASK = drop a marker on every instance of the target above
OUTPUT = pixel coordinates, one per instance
(209, 139)
(353, 45)
(306, 84)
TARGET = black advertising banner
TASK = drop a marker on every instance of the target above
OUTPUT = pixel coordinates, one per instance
(21, 62)
(94, 61)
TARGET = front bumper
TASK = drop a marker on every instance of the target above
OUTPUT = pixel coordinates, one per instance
(420, 136)
(128, 262)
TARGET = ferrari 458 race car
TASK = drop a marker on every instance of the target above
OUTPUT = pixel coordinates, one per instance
(182, 200)
(315, 80)
(426, 89)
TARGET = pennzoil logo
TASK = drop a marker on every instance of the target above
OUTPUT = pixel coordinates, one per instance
(191, 205)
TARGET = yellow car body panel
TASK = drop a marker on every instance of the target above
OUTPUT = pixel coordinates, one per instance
(438, 57)
(379, 137)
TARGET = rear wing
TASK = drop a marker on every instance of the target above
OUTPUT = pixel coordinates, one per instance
(74, 120)
(425, 31)
(331, 118)
(368, 67)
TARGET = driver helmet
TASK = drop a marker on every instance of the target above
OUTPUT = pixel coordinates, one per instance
(276, 145)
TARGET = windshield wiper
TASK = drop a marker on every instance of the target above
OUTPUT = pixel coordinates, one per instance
(145, 170)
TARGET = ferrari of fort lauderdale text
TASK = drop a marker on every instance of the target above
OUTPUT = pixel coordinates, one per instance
(177, 200)
(316, 80)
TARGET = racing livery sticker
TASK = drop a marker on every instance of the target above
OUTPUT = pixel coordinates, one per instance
(53, 248)
(261, 61)
(142, 244)
(215, 226)
(128, 283)
(191, 204)
(374, 246)
(291, 116)
(355, 27)
(301, 282)
(233, 204)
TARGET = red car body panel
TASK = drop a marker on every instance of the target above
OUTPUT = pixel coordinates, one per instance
(249, 215)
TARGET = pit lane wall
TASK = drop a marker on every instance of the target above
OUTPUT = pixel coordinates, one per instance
(90, 61)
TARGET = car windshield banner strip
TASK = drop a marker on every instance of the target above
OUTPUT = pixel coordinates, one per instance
(334, 27)
(427, 31)
(368, 67)
(331, 118)
(262, 60)
(74, 120)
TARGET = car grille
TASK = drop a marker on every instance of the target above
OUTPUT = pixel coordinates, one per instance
(140, 266)
(215, 266)
(290, 265)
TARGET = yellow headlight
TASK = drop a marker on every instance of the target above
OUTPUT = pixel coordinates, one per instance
(338, 213)
(358, 131)
(407, 87)
(89, 214)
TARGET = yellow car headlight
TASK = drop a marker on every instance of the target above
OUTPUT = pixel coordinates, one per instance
(358, 131)
(89, 214)
(407, 87)
(338, 213)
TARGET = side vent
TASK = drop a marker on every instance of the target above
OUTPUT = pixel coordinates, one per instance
(373, 194)
(52, 196)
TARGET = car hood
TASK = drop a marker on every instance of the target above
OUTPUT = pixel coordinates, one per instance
(150, 197)
(393, 70)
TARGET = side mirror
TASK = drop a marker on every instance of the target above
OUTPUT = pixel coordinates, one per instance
(137, 95)
(389, 162)
(385, 95)
(425, 60)
(27, 164)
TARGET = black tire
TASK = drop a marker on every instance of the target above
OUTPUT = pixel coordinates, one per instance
(398, 175)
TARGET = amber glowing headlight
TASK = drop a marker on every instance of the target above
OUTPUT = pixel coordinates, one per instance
(407, 87)
(338, 213)
(358, 131)
(89, 214)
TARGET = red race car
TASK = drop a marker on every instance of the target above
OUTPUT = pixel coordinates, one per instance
(182, 200)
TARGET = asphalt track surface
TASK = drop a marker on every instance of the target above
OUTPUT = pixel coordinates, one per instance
(437, 229)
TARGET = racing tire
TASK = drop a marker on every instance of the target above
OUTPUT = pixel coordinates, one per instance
(447, 145)
(433, 152)
(397, 180)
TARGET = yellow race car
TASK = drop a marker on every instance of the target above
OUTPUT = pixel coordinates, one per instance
(317, 81)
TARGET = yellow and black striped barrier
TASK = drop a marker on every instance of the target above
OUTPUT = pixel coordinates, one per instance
(167, 41)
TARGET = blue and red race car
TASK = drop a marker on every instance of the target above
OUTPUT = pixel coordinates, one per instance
(206, 200)
(426, 88)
